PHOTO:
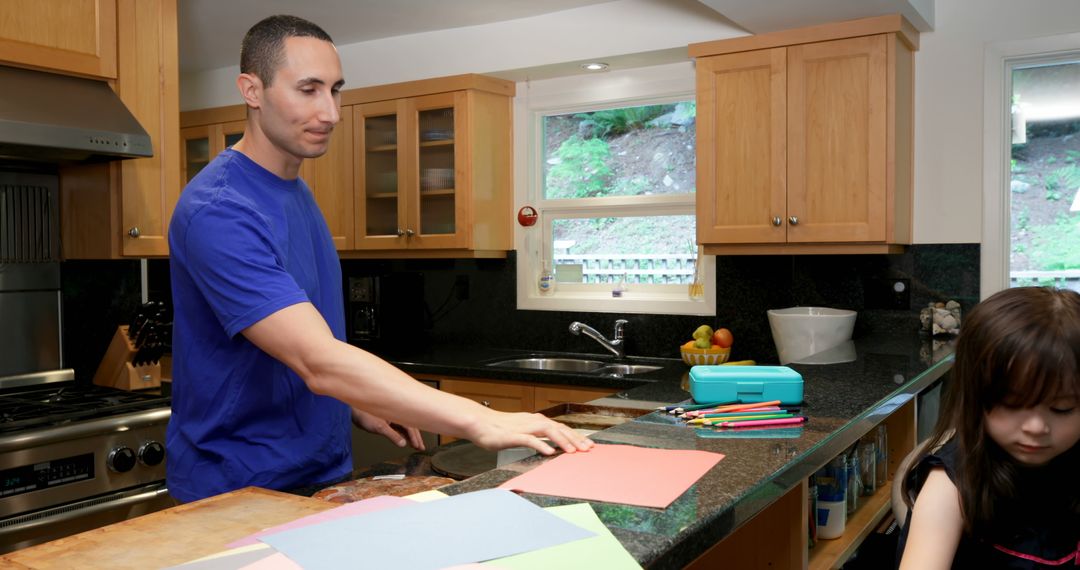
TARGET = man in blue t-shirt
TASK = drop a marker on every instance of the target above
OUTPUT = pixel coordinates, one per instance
(264, 385)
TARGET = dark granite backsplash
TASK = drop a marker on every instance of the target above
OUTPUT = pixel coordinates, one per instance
(100, 295)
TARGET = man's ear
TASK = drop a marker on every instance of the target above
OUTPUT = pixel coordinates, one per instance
(250, 89)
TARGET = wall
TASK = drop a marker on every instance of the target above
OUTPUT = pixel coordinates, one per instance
(99, 296)
(949, 94)
(747, 287)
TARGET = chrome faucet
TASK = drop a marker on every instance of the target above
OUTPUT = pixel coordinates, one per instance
(616, 346)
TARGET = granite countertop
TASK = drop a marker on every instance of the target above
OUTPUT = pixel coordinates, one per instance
(842, 401)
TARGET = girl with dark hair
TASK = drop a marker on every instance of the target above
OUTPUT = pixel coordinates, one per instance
(998, 485)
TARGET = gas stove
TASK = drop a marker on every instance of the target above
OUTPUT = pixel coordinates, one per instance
(74, 456)
(35, 407)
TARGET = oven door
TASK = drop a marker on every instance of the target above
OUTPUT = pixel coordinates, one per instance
(23, 530)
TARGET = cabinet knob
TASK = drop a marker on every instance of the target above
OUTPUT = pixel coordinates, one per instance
(776, 221)
(409, 233)
(400, 232)
(793, 220)
(486, 404)
(134, 232)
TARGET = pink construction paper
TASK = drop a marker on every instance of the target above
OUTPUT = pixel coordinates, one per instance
(273, 562)
(347, 510)
(618, 474)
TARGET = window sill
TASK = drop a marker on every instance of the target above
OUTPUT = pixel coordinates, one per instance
(629, 302)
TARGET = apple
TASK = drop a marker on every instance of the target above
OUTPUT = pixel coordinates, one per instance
(723, 338)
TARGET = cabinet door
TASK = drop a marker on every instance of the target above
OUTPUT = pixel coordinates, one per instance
(73, 36)
(380, 175)
(547, 396)
(741, 138)
(837, 140)
(199, 145)
(494, 395)
(330, 180)
(438, 203)
(148, 84)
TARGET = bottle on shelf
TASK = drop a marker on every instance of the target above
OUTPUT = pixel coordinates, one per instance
(546, 283)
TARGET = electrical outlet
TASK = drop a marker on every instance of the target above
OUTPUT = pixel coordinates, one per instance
(461, 287)
(892, 294)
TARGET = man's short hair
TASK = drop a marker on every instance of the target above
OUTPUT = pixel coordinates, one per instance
(262, 51)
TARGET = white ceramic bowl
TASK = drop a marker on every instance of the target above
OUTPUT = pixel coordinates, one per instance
(800, 333)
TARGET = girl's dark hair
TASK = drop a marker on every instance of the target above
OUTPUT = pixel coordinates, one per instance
(1019, 347)
(261, 51)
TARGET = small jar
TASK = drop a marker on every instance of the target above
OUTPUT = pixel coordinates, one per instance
(854, 479)
(868, 465)
(882, 448)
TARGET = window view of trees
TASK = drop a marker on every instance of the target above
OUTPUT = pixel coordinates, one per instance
(630, 153)
(1045, 176)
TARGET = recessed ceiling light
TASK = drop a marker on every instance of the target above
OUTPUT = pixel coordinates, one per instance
(594, 66)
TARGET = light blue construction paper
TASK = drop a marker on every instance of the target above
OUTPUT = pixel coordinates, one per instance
(466, 528)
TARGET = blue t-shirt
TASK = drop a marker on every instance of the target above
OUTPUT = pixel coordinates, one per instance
(243, 245)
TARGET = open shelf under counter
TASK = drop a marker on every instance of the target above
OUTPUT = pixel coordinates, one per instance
(871, 511)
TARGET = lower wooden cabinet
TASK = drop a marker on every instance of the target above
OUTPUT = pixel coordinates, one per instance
(515, 396)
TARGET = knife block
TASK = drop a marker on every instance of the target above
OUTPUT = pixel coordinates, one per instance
(117, 371)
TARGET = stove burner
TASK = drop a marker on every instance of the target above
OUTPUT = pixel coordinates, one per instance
(45, 406)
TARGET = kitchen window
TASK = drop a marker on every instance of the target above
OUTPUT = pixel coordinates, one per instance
(607, 164)
(1032, 192)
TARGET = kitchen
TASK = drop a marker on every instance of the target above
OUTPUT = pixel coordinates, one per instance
(947, 223)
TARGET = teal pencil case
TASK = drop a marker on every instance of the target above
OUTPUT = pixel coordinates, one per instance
(745, 384)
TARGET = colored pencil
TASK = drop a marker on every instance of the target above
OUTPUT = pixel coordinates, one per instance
(752, 423)
(715, 421)
(739, 408)
(770, 410)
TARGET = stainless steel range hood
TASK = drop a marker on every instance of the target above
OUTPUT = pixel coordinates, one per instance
(48, 117)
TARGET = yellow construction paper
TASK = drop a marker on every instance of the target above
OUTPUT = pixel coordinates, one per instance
(601, 551)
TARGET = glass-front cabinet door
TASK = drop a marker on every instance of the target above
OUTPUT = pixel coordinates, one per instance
(436, 214)
(408, 173)
(202, 143)
(380, 141)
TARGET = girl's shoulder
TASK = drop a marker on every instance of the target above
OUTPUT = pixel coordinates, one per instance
(944, 457)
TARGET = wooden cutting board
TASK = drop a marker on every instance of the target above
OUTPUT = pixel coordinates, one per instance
(172, 536)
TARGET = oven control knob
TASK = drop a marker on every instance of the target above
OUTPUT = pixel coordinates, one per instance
(121, 460)
(151, 453)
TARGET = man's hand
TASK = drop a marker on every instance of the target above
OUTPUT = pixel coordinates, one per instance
(501, 430)
(398, 434)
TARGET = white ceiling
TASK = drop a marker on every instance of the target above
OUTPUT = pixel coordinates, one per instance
(211, 30)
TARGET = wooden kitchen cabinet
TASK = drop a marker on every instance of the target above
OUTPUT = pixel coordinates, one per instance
(805, 139)
(78, 37)
(205, 133)
(516, 396)
(122, 208)
(432, 168)
(200, 144)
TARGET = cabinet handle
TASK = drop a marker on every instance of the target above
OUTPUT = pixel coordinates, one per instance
(400, 232)
(486, 403)
(776, 221)
(793, 220)
(409, 233)
(134, 232)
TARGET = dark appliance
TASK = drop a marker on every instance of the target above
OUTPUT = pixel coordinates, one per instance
(386, 311)
(73, 456)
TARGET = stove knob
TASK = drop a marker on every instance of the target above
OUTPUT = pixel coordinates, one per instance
(121, 460)
(151, 453)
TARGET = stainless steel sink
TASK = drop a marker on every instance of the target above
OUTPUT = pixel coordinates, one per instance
(560, 364)
(575, 365)
(626, 369)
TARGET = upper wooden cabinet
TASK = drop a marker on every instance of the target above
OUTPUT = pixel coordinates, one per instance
(123, 208)
(432, 164)
(69, 36)
(416, 169)
(804, 140)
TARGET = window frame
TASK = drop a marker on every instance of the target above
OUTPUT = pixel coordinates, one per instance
(1000, 60)
(586, 93)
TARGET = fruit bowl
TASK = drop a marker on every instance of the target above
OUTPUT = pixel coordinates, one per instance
(714, 355)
